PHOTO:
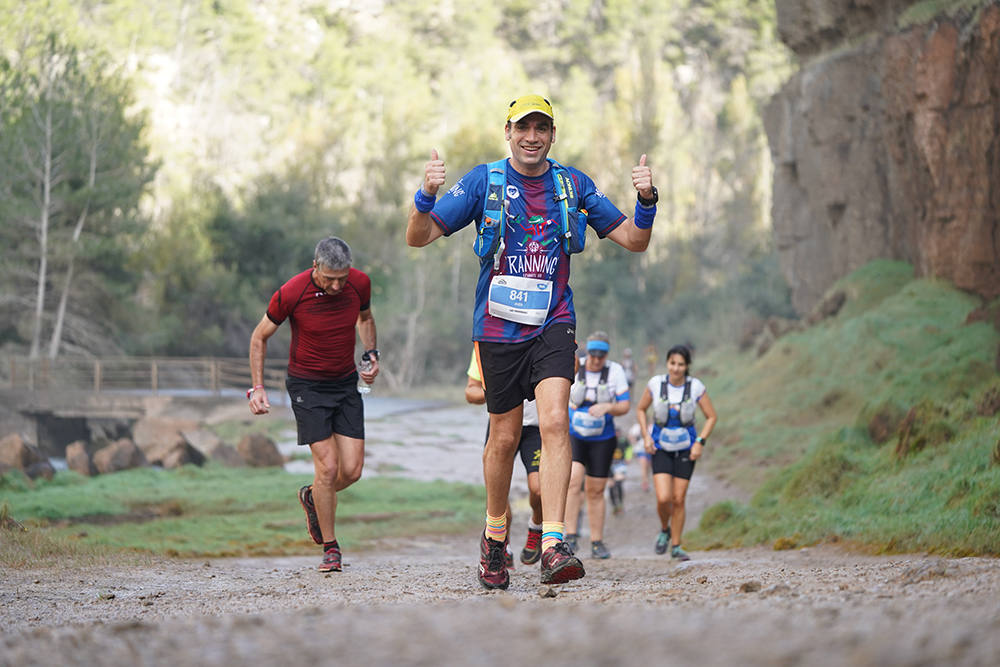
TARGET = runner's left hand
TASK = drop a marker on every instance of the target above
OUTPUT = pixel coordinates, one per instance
(369, 376)
(642, 178)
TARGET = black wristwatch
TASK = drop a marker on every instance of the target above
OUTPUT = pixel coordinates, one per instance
(649, 202)
(701, 441)
(370, 354)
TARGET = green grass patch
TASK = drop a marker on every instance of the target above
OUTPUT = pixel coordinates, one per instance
(865, 427)
(926, 11)
(217, 511)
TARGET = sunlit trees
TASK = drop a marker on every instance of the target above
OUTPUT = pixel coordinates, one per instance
(72, 168)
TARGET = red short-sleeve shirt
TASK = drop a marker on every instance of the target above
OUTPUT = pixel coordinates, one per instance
(323, 331)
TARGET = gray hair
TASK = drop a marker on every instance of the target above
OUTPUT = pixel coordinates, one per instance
(333, 253)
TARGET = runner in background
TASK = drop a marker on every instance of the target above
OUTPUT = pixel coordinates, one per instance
(673, 441)
(324, 305)
(599, 394)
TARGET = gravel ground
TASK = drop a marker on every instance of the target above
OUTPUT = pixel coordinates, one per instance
(418, 602)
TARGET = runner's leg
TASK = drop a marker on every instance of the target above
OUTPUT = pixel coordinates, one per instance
(535, 498)
(552, 396)
(594, 489)
(679, 512)
(661, 485)
(498, 459)
(574, 496)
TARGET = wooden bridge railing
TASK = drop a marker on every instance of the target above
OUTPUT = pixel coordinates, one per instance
(153, 374)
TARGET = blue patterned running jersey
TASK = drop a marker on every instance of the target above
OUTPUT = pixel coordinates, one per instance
(531, 234)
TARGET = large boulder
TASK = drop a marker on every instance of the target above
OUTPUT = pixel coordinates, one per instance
(121, 454)
(150, 432)
(212, 447)
(259, 451)
(173, 454)
(16, 453)
(162, 441)
(78, 459)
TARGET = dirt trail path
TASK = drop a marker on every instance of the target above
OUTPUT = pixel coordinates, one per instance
(417, 601)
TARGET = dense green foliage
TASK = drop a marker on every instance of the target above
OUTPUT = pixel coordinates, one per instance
(216, 511)
(868, 427)
(274, 123)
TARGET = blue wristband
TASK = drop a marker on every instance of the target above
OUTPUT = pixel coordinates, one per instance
(644, 216)
(423, 201)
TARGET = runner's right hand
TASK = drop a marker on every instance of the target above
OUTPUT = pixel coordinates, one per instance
(259, 404)
(434, 174)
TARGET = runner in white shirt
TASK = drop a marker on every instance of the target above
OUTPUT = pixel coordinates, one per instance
(673, 441)
(599, 394)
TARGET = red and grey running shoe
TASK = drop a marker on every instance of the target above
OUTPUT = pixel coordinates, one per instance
(312, 521)
(532, 550)
(493, 563)
(331, 560)
(559, 565)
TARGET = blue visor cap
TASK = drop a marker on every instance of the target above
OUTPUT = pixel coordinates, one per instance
(597, 346)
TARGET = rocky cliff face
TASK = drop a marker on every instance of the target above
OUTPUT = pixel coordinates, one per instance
(887, 144)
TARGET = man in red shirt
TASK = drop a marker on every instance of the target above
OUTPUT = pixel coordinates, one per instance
(325, 305)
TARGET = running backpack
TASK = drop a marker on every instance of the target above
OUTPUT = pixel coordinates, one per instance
(489, 239)
(578, 392)
(661, 411)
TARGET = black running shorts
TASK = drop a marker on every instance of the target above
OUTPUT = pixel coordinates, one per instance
(595, 455)
(530, 448)
(325, 407)
(511, 370)
(676, 464)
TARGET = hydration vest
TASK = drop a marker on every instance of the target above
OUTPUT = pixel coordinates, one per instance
(578, 392)
(489, 239)
(661, 407)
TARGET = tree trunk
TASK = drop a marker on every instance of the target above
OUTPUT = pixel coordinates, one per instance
(43, 236)
(57, 330)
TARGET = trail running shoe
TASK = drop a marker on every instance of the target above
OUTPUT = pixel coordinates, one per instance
(312, 521)
(493, 563)
(663, 541)
(532, 550)
(598, 550)
(570, 542)
(331, 560)
(679, 554)
(559, 565)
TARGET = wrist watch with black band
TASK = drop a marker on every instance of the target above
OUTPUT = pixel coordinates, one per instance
(371, 354)
(648, 202)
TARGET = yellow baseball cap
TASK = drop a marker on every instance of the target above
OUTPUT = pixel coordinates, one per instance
(528, 104)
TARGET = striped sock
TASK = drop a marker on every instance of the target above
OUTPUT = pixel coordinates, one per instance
(496, 527)
(552, 533)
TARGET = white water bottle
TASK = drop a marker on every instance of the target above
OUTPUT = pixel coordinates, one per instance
(364, 367)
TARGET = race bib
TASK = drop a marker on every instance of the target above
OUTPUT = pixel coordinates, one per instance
(586, 425)
(519, 299)
(674, 439)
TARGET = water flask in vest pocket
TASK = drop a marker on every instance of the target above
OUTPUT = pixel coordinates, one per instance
(661, 412)
(577, 234)
(687, 412)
